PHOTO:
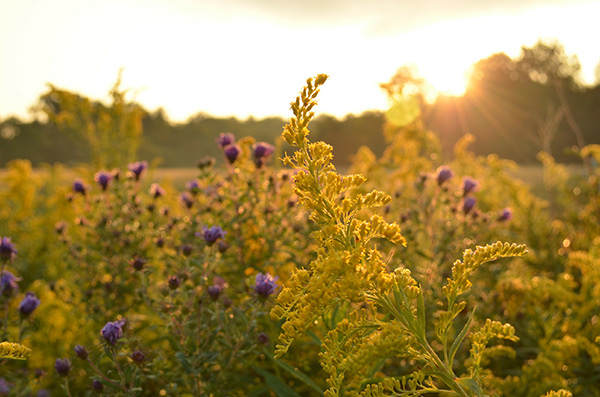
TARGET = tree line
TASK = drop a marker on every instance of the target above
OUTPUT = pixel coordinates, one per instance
(513, 107)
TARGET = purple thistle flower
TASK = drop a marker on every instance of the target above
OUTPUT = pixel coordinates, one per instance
(225, 139)
(468, 204)
(103, 178)
(505, 215)
(193, 186)
(62, 366)
(212, 234)
(469, 185)
(29, 304)
(97, 385)
(443, 174)
(137, 168)
(113, 331)
(260, 152)
(81, 352)
(174, 282)
(265, 285)
(8, 283)
(262, 338)
(187, 199)
(79, 187)
(138, 356)
(156, 191)
(214, 291)
(232, 152)
(7, 249)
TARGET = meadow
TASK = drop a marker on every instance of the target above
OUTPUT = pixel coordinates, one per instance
(274, 274)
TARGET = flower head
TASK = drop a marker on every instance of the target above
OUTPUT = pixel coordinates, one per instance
(443, 174)
(260, 152)
(97, 385)
(62, 366)
(214, 291)
(174, 282)
(212, 234)
(193, 186)
(138, 356)
(8, 283)
(225, 139)
(265, 285)
(187, 199)
(103, 178)
(137, 168)
(29, 304)
(468, 204)
(113, 331)
(232, 152)
(505, 215)
(156, 191)
(7, 249)
(79, 187)
(469, 185)
(81, 352)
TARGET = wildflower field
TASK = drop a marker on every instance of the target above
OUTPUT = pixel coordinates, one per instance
(272, 274)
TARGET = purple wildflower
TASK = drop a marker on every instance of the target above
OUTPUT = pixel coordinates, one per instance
(443, 174)
(137, 168)
(193, 186)
(225, 139)
(97, 385)
(138, 356)
(81, 352)
(187, 199)
(212, 234)
(79, 187)
(505, 215)
(8, 283)
(62, 366)
(260, 152)
(468, 204)
(232, 152)
(156, 191)
(214, 291)
(265, 285)
(103, 178)
(113, 331)
(7, 249)
(262, 338)
(29, 304)
(469, 185)
(174, 282)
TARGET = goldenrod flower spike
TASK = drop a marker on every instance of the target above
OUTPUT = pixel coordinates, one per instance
(14, 351)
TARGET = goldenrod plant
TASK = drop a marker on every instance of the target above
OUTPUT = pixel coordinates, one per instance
(14, 351)
(384, 316)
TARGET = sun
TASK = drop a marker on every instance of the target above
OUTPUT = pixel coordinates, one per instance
(445, 79)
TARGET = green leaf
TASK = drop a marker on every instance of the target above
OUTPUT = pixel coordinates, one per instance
(275, 384)
(295, 373)
(471, 384)
(459, 338)
(421, 311)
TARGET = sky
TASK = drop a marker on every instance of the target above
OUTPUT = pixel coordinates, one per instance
(251, 57)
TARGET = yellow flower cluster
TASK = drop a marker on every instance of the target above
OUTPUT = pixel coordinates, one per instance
(345, 267)
(14, 351)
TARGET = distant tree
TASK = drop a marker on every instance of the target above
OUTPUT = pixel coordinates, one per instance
(112, 133)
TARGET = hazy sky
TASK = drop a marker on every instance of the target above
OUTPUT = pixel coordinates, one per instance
(251, 57)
